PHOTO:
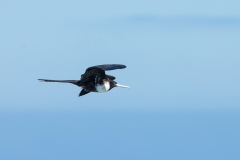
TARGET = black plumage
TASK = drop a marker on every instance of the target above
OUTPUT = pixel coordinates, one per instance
(94, 79)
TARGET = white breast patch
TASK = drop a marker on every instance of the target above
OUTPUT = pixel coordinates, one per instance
(103, 88)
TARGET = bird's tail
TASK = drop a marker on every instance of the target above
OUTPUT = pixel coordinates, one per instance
(61, 81)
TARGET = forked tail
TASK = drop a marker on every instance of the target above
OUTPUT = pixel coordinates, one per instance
(61, 81)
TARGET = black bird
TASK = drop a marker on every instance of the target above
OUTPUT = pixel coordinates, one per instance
(94, 79)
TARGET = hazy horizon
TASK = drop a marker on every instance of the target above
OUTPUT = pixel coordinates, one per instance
(182, 61)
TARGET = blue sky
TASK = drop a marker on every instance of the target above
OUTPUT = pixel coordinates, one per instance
(182, 61)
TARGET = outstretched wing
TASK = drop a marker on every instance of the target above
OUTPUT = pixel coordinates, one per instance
(96, 74)
(108, 67)
(83, 92)
(93, 75)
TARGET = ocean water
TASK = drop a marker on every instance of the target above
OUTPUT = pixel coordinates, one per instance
(120, 135)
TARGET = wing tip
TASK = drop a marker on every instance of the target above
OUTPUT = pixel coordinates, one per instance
(108, 67)
(123, 66)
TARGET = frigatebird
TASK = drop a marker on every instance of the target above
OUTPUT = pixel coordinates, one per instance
(94, 79)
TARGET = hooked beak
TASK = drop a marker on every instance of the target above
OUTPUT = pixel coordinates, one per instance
(119, 85)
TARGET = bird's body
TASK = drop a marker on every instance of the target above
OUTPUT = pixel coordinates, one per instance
(94, 79)
(103, 88)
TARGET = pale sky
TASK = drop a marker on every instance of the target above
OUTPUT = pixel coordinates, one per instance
(183, 68)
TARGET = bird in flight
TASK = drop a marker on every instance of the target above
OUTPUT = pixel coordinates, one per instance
(94, 79)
